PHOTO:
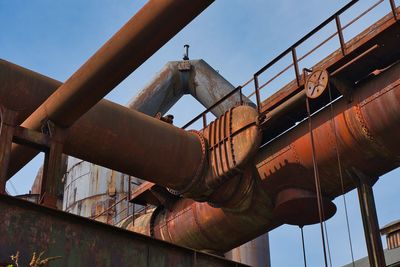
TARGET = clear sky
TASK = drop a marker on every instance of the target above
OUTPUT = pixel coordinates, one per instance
(236, 37)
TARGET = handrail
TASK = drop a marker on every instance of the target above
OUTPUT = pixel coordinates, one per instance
(109, 208)
(292, 49)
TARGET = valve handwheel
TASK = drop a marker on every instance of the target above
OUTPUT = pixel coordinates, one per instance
(316, 83)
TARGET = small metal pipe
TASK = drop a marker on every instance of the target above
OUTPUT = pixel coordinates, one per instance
(186, 52)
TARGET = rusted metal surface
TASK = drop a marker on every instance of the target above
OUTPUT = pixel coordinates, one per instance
(254, 253)
(94, 192)
(359, 62)
(299, 207)
(23, 90)
(7, 126)
(383, 35)
(149, 142)
(366, 130)
(379, 32)
(199, 225)
(233, 139)
(28, 228)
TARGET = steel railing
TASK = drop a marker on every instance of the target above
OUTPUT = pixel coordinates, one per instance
(295, 61)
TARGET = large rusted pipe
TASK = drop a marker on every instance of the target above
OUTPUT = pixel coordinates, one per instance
(127, 132)
(135, 144)
(367, 131)
(156, 23)
(23, 90)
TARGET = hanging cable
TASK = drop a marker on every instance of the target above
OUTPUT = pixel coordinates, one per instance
(304, 247)
(317, 181)
(333, 124)
(327, 244)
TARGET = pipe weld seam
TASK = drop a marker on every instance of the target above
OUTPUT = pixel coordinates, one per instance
(198, 175)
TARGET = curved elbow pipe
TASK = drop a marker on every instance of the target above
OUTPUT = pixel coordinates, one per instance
(194, 77)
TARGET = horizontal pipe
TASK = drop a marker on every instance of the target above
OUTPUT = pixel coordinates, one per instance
(366, 130)
(23, 90)
(133, 141)
(134, 43)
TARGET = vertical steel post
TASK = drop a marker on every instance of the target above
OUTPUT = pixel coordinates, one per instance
(296, 65)
(204, 120)
(394, 9)
(256, 85)
(370, 222)
(7, 121)
(52, 169)
(340, 34)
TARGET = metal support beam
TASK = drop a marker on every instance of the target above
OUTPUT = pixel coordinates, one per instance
(370, 220)
(7, 122)
(52, 171)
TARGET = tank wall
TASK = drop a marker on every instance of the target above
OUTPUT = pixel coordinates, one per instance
(91, 189)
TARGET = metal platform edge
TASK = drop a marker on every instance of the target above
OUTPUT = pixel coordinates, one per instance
(27, 227)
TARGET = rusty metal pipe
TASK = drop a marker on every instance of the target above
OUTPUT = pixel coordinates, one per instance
(135, 42)
(23, 90)
(367, 130)
(135, 144)
(100, 130)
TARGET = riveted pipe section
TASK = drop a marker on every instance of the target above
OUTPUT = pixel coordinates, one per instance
(366, 140)
(202, 226)
(364, 143)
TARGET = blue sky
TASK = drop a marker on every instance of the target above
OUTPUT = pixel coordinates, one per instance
(236, 37)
